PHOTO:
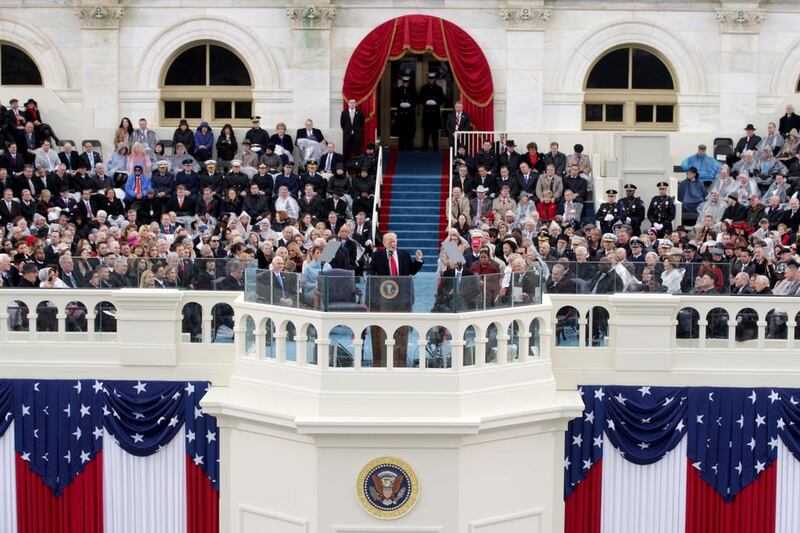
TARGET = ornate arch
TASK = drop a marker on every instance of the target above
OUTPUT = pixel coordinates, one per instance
(44, 52)
(690, 77)
(249, 47)
(786, 70)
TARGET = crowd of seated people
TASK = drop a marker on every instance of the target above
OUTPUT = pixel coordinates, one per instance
(198, 218)
(215, 207)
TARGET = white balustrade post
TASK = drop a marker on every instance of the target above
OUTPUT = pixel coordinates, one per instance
(61, 319)
(260, 343)
(701, 333)
(389, 353)
(280, 346)
(762, 332)
(323, 346)
(502, 349)
(90, 316)
(301, 341)
(457, 354)
(641, 316)
(3, 326)
(789, 333)
(582, 328)
(422, 352)
(546, 341)
(208, 324)
(524, 346)
(480, 351)
(149, 326)
(732, 333)
(32, 319)
(358, 352)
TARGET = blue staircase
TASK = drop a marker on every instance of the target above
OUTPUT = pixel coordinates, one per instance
(416, 204)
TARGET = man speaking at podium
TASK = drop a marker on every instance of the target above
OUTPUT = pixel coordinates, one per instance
(391, 290)
(394, 262)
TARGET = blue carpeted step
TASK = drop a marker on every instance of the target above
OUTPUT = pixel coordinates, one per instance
(416, 203)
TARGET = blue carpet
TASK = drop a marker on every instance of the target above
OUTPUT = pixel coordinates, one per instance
(416, 204)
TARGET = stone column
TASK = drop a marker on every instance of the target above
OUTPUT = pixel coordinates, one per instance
(311, 60)
(99, 72)
(524, 67)
(739, 26)
(640, 316)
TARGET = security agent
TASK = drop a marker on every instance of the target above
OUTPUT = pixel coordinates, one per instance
(634, 208)
(661, 211)
(610, 212)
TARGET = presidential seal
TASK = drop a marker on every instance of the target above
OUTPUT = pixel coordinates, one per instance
(389, 289)
(387, 488)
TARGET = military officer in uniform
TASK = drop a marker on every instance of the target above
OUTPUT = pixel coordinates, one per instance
(610, 212)
(634, 208)
(405, 97)
(431, 98)
(661, 211)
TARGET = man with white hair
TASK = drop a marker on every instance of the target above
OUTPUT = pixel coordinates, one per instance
(788, 121)
(748, 142)
(5, 271)
(746, 164)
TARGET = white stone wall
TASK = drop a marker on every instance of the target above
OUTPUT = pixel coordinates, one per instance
(727, 74)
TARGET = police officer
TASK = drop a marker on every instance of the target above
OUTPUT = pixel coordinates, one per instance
(405, 98)
(610, 212)
(634, 208)
(431, 98)
(661, 211)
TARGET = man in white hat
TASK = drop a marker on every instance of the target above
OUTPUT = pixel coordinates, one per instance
(480, 205)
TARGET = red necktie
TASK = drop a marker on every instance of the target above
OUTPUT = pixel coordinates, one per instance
(392, 265)
(138, 185)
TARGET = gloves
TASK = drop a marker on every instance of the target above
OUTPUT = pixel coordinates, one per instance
(609, 217)
(627, 220)
(658, 226)
(405, 105)
(430, 102)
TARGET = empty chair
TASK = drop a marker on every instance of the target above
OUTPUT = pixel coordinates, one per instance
(339, 292)
(62, 142)
(723, 147)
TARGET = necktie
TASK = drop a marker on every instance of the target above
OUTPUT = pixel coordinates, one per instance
(180, 202)
(91, 159)
(458, 120)
(280, 282)
(138, 185)
(328, 163)
(71, 280)
(597, 284)
(480, 207)
(392, 264)
(89, 209)
(31, 187)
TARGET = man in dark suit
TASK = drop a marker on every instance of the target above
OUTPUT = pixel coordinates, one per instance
(314, 178)
(457, 122)
(9, 208)
(311, 202)
(89, 156)
(283, 285)
(788, 121)
(748, 142)
(362, 231)
(13, 160)
(527, 180)
(605, 281)
(310, 132)
(459, 290)
(510, 158)
(70, 157)
(791, 216)
(233, 281)
(392, 262)
(347, 253)
(207, 205)
(329, 160)
(27, 180)
(181, 203)
(556, 158)
(352, 124)
(559, 283)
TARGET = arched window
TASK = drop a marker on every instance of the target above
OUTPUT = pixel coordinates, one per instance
(17, 67)
(630, 88)
(209, 82)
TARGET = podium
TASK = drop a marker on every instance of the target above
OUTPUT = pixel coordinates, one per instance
(390, 293)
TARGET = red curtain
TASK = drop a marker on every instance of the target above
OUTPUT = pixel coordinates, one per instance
(79, 509)
(420, 34)
(202, 501)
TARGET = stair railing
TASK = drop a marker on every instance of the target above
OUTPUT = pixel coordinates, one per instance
(376, 199)
(450, 192)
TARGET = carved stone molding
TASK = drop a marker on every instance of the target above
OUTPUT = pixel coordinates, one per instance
(740, 21)
(525, 18)
(311, 17)
(99, 16)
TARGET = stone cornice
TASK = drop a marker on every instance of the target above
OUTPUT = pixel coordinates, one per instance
(99, 16)
(525, 18)
(311, 17)
(740, 20)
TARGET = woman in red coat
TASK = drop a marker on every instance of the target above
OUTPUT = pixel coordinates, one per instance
(547, 207)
